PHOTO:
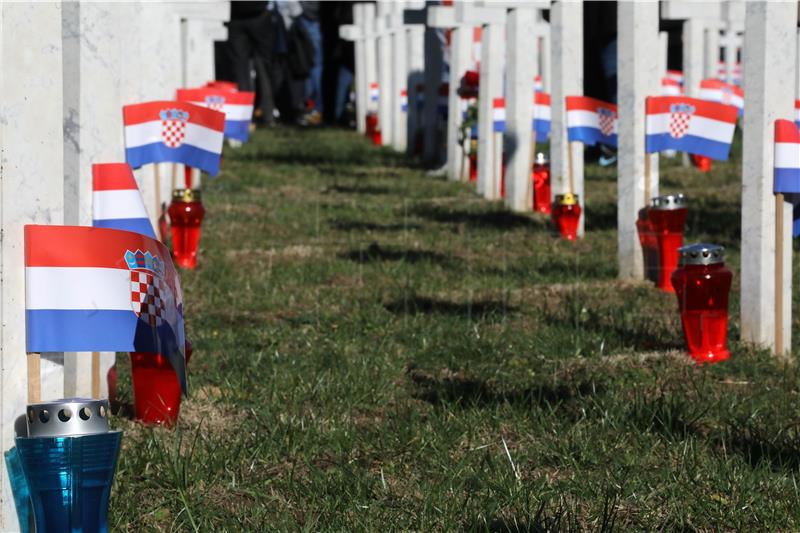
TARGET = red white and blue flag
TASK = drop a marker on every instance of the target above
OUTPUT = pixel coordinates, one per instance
(499, 115)
(116, 200)
(676, 75)
(797, 112)
(224, 85)
(537, 83)
(718, 91)
(541, 115)
(404, 100)
(787, 166)
(591, 121)
(237, 106)
(374, 93)
(671, 87)
(97, 289)
(173, 132)
(689, 125)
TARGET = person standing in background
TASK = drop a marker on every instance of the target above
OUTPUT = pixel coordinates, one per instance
(309, 20)
(251, 38)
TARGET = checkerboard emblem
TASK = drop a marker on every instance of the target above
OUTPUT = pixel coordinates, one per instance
(149, 292)
(173, 126)
(679, 119)
(216, 102)
(606, 118)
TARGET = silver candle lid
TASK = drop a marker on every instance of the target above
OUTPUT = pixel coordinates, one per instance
(669, 201)
(541, 159)
(701, 254)
(68, 417)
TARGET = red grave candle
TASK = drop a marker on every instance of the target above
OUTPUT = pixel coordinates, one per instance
(186, 215)
(702, 284)
(667, 216)
(541, 184)
(566, 215)
(156, 390)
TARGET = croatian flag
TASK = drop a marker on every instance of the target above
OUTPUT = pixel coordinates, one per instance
(237, 106)
(675, 75)
(374, 93)
(444, 95)
(689, 125)
(224, 85)
(173, 132)
(797, 112)
(116, 200)
(537, 83)
(499, 115)
(541, 115)
(404, 100)
(671, 87)
(98, 289)
(787, 166)
(724, 93)
(591, 121)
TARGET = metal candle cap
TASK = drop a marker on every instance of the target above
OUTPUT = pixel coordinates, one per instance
(701, 254)
(566, 199)
(68, 417)
(186, 195)
(541, 159)
(669, 201)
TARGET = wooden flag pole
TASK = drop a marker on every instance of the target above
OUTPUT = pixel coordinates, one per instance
(34, 377)
(570, 177)
(96, 375)
(779, 274)
(646, 179)
(157, 173)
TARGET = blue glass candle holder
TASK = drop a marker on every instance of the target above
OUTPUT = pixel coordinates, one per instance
(69, 458)
(19, 487)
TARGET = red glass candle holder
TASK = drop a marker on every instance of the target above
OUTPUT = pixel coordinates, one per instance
(649, 243)
(541, 184)
(566, 215)
(473, 161)
(373, 129)
(702, 284)
(667, 217)
(702, 162)
(156, 390)
(186, 216)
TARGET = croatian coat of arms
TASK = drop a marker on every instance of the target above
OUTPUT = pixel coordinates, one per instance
(150, 295)
(215, 102)
(680, 116)
(606, 120)
(173, 126)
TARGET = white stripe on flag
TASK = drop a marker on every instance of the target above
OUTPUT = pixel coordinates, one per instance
(78, 288)
(581, 118)
(787, 155)
(233, 111)
(110, 205)
(707, 128)
(541, 112)
(196, 135)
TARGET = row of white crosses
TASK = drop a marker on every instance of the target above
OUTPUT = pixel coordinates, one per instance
(68, 68)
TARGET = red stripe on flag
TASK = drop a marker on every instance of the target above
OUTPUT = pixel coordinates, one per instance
(80, 246)
(149, 112)
(797, 104)
(112, 177)
(661, 104)
(585, 103)
(787, 132)
(711, 83)
(542, 98)
(200, 94)
(499, 103)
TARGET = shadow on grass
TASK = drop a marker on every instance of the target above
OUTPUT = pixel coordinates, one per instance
(503, 220)
(375, 253)
(477, 310)
(354, 225)
(778, 450)
(358, 189)
(601, 216)
(672, 416)
(713, 217)
(466, 391)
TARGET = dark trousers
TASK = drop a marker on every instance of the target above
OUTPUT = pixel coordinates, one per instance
(253, 39)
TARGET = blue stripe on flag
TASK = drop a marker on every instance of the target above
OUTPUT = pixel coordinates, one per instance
(499, 126)
(136, 225)
(160, 153)
(542, 129)
(591, 136)
(238, 129)
(690, 144)
(787, 180)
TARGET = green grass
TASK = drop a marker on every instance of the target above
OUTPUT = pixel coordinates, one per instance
(380, 350)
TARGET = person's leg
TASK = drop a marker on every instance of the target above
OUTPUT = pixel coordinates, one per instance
(240, 48)
(314, 82)
(343, 82)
